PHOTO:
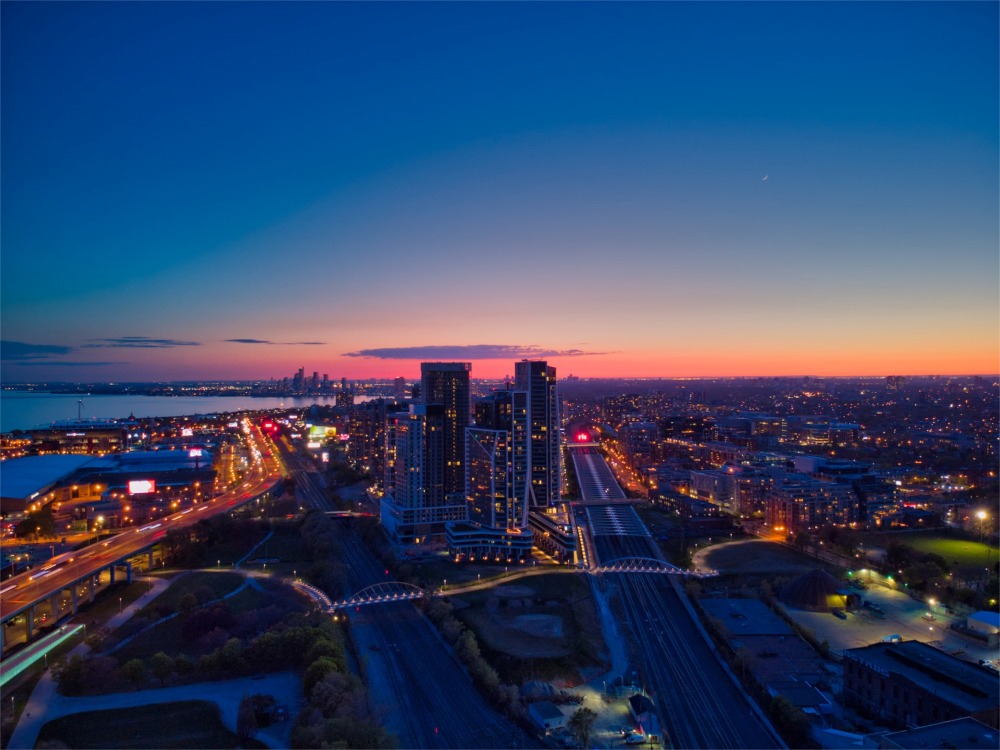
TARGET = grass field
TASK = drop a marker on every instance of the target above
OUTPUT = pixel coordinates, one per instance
(954, 551)
(219, 584)
(759, 557)
(284, 552)
(184, 724)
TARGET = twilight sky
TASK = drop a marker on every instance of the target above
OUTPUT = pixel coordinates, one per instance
(230, 190)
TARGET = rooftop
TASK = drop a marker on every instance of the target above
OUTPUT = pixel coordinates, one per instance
(963, 684)
(965, 732)
(23, 477)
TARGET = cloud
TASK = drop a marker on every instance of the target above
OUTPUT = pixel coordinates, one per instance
(275, 343)
(56, 363)
(18, 351)
(138, 342)
(469, 351)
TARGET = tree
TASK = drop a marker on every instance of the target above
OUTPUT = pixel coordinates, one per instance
(467, 648)
(39, 522)
(246, 720)
(316, 672)
(134, 671)
(69, 675)
(162, 666)
(184, 665)
(580, 724)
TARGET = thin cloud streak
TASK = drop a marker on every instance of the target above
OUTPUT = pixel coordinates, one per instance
(56, 363)
(138, 342)
(20, 351)
(275, 343)
(469, 351)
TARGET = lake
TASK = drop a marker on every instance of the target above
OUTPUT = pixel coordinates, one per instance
(23, 410)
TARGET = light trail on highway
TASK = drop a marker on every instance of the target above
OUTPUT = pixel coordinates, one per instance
(66, 570)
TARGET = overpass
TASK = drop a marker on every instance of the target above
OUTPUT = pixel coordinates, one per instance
(40, 594)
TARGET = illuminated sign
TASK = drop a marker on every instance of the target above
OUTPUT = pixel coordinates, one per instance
(233, 424)
(194, 452)
(313, 444)
(344, 437)
(141, 486)
(187, 432)
(325, 456)
(319, 432)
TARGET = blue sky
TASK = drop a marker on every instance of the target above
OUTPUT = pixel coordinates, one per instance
(584, 180)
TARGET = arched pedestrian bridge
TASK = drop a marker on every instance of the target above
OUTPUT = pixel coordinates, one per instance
(379, 593)
(647, 565)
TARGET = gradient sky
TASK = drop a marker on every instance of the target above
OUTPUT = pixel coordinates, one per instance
(230, 190)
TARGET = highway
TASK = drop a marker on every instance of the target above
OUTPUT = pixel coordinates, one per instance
(64, 571)
(416, 687)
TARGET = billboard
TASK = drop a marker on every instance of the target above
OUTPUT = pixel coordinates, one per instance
(321, 432)
(141, 486)
(187, 432)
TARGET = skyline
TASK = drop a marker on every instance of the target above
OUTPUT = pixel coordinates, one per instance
(235, 190)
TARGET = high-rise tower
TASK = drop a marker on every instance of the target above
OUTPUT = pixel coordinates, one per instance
(496, 483)
(539, 381)
(447, 384)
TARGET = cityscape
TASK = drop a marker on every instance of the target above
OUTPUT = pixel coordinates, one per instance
(729, 481)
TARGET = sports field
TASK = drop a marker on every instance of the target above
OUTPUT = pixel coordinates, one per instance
(954, 551)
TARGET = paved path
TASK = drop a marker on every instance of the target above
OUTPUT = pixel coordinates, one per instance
(284, 686)
(612, 638)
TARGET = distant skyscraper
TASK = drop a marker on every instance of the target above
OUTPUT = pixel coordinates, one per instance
(544, 460)
(447, 384)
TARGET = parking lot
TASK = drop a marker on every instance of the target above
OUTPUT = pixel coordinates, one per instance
(900, 615)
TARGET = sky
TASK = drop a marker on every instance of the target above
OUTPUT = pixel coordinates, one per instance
(226, 190)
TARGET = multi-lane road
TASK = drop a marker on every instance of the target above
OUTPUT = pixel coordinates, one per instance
(21, 592)
(418, 689)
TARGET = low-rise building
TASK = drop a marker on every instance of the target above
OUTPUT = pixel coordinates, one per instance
(910, 684)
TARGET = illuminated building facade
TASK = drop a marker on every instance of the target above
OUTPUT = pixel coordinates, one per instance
(538, 380)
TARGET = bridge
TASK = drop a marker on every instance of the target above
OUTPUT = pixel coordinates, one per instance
(648, 565)
(380, 593)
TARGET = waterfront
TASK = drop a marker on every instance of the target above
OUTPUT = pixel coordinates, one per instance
(23, 410)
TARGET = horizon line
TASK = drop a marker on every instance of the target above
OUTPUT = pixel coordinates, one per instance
(390, 379)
